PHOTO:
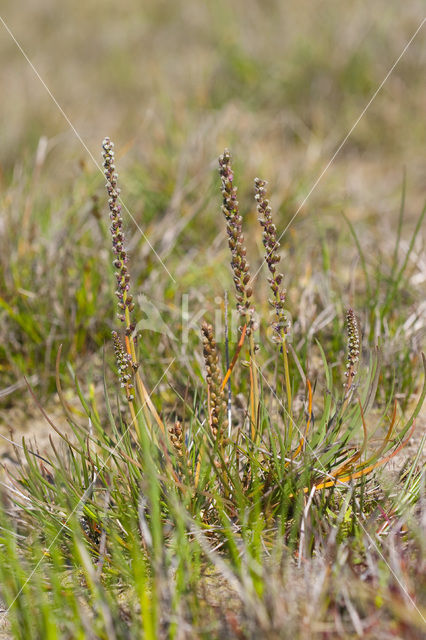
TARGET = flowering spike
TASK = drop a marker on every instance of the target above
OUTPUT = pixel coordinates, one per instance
(124, 364)
(239, 263)
(214, 378)
(271, 244)
(353, 348)
(117, 234)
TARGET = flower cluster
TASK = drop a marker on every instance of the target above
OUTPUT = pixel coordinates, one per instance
(239, 263)
(177, 440)
(353, 347)
(125, 300)
(272, 258)
(176, 437)
(124, 364)
(214, 378)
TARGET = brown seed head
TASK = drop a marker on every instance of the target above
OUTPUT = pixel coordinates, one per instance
(213, 377)
(239, 263)
(353, 348)
(124, 364)
(125, 304)
(353, 339)
(272, 257)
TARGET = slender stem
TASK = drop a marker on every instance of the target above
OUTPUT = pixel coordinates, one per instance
(287, 384)
(134, 418)
(145, 400)
(229, 400)
(128, 327)
(254, 389)
(130, 348)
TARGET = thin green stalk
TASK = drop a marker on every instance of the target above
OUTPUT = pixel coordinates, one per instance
(254, 390)
(287, 385)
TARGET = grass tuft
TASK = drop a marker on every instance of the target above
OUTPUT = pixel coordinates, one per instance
(211, 514)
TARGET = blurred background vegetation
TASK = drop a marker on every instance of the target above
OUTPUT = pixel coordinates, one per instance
(173, 83)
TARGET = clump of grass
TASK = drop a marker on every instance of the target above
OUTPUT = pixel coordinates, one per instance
(144, 521)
